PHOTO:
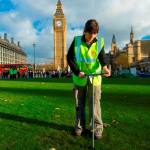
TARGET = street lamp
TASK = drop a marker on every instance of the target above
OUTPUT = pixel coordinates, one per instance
(34, 59)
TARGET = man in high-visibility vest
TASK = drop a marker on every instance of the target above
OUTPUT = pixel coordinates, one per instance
(86, 55)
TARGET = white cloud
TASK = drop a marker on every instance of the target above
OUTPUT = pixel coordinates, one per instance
(21, 29)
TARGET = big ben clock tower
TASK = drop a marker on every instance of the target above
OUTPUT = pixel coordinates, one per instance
(59, 25)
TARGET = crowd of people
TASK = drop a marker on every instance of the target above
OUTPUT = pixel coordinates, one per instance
(13, 74)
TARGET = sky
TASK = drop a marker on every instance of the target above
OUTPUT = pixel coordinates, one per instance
(30, 21)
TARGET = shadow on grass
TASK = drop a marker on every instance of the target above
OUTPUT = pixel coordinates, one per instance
(40, 92)
(130, 100)
(35, 122)
(127, 81)
(110, 80)
(55, 80)
(126, 98)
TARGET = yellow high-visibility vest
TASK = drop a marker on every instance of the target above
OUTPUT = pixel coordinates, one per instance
(87, 60)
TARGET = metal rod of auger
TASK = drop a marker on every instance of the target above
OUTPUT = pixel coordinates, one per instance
(93, 113)
(93, 128)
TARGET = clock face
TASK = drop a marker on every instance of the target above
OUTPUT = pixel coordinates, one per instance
(58, 23)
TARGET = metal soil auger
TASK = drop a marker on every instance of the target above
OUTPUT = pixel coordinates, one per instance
(92, 77)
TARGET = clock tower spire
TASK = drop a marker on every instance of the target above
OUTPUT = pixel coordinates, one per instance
(59, 26)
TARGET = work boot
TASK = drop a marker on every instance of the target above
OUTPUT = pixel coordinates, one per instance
(98, 134)
(78, 132)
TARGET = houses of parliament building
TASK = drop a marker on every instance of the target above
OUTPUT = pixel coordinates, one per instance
(135, 54)
(60, 42)
(59, 27)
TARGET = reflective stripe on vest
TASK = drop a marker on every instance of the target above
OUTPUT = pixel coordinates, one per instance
(77, 55)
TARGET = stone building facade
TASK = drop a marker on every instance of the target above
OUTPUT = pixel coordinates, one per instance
(134, 54)
(10, 53)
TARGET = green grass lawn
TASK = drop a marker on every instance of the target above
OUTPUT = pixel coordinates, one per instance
(39, 114)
